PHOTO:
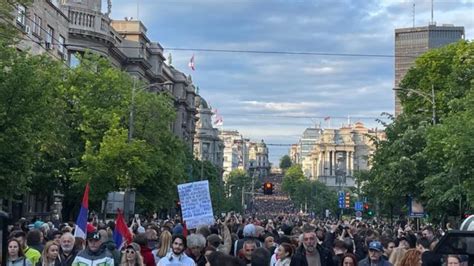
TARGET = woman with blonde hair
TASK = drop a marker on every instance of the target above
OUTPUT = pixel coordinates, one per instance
(50, 254)
(131, 256)
(411, 258)
(165, 245)
(397, 256)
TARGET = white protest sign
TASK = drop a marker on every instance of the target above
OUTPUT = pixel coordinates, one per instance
(196, 205)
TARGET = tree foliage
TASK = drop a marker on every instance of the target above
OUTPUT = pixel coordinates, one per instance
(432, 163)
(311, 193)
(285, 162)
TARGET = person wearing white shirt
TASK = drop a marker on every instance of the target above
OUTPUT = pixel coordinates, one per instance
(177, 257)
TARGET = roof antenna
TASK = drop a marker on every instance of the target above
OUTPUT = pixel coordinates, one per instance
(413, 13)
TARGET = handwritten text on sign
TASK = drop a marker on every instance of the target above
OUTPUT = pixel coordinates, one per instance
(196, 205)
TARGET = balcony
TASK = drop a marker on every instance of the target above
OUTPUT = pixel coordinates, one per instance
(336, 182)
(89, 23)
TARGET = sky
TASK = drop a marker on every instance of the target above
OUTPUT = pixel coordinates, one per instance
(276, 96)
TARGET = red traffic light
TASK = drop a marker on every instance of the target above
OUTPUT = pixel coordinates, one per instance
(267, 188)
(268, 185)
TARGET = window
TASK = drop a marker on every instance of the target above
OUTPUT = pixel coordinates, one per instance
(49, 37)
(21, 14)
(37, 25)
(61, 49)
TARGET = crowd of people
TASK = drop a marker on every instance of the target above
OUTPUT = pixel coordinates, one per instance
(284, 240)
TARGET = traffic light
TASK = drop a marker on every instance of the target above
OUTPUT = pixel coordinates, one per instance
(370, 213)
(348, 200)
(267, 188)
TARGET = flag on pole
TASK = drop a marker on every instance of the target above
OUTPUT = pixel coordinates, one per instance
(218, 120)
(327, 118)
(121, 231)
(191, 63)
(81, 222)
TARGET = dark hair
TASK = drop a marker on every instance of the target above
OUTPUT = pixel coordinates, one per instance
(220, 259)
(33, 237)
(180, 237)
(17, 233)
(386, 240)
(424, 242)
(260, 257)
(141, 239)
(20, 250)
(349, 255)
(288, 248)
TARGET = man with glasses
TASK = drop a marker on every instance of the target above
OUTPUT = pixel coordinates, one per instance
(375, 256)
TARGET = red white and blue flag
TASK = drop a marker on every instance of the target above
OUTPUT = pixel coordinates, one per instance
(121, 231)
(81, 222)
(191, 63)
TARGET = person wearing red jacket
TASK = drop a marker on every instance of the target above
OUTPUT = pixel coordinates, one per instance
(145, 251)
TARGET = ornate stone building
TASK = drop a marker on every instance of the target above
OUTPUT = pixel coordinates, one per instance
(236, 154)
(259, 164)
(340, 152)
(207, 144)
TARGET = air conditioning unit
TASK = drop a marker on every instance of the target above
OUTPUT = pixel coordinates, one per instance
(48, 45)
(27, 29)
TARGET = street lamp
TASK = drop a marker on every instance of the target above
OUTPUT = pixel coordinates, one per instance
(426, 96)
(127, 195)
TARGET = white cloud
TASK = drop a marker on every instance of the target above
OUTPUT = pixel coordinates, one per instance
(283, 106)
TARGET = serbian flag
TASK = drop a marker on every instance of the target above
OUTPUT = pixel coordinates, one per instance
(121, 231)
(191, 63)
(81, 222)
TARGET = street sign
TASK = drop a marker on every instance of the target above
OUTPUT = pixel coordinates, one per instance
(358, 214)
(341, 200)
(358, 206)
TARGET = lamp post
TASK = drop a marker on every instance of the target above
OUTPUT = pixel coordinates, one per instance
(430, 98)
(128, 189)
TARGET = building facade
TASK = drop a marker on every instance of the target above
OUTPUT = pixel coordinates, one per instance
(68, 28)
(412, 42)
(207, 144)
(236, 151)
(259, 165)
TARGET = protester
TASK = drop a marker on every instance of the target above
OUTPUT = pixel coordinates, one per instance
(49, 255)
(260, 257)
(375, 256)
(177, 256)
(165, 245)
(95, 253)
(245, 254)
(107, 241)
(67, 251)
(453, 260)
(348, 259)
(284, 253)
(196, 244)
(145, 251)
(428, 257)
(397, 256)
(220, 259)
(249, 233)
(131, 256)
(15, 255)
(411, 258)
(31, 254)
(311, 252)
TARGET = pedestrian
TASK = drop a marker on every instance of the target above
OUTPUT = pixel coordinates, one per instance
(49, 255)
(177, 256)
(67, 251)
(310, 252)
(453, 260)
(411, 258)
(196, 244)
(260, 257)
(348, 259)
(397, 256)
(95, 253)
(15, 255)
(284, 253)
(30, 253)
(375, 256)
(145, 251)
(220, 259)
(131, 256)
(165, 245)
(245, 254)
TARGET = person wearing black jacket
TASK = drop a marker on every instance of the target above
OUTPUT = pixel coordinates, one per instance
(311, 253)
(67, 252)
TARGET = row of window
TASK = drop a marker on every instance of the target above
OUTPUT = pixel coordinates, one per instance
(50, 42)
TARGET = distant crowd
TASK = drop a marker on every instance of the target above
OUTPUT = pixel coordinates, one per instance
(284, 240)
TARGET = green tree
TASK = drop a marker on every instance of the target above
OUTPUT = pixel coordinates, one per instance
(27, 88)
(293, 176)
(238, 181)
(285, 162)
